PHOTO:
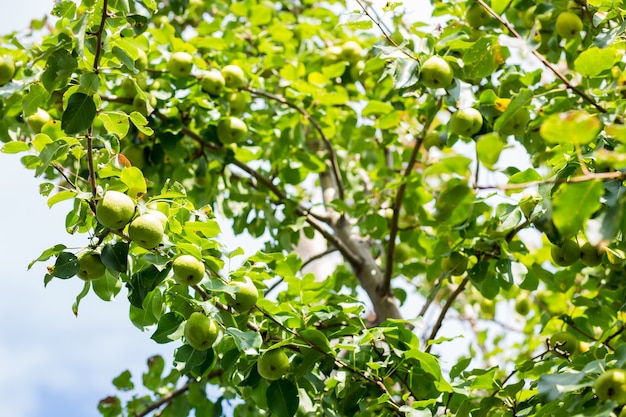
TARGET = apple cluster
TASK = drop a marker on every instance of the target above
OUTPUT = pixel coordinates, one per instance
(570, 252)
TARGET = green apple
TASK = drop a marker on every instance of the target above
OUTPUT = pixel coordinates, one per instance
(516, 124)
(180, 64)
(332, 54)
(476, 16)
(591, 255)
(568, 25)
(436, 73)
(528, 202)
(623, 412)
(466, 122)
(432, 139)
(487, 308)
(522, 305)
(567, 254)
(200, 331)
(399, 38)
(234, 76)
(273, 364)
(36, 120)
(90, 266)
(129, 88)
(7, 69)
(115, 210)
(403, 252)
(144, 104)
(53, 129)
(188, 270)
(141, 63)
(565, 342)
(611, 386)
(351, 51)
(146, 231)
(161, 216)
(237, 103)
(245, 294)
(231, 130)
(213, 82)
(455, 264)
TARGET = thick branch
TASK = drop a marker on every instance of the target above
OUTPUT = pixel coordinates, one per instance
(543, 60)
(99, 32)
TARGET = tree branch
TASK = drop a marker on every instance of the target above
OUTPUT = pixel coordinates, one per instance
(613, 175)
(397, 207)
(444, 311)
(329, 147)
(170, 396)
(543, 60)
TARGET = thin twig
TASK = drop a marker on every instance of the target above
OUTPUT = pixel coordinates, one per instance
(164, 400)
(444, 311)
(543, 60)
(329, 147)
(397, 208)
(614, 175)
(92, 171)
(99, 32)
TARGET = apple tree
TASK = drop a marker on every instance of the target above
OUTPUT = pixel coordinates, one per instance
(465, 166)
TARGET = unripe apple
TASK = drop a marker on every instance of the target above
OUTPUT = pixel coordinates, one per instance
(188, 270)
(466, 122)
(527, 204)
(245, 294)
(141, 63)
(146, 230)
(180, 64)
(115, 210)
(213, 82)
(455, 264)
(7, 69)
(332, 54)
(231, 130)
(436, 73)
(567, 254)
(590, 255)
(144, 105)
(129, 88)
(351, 51)
(611, 386)
(522, 305)
(565, 342)
(90, 266)
(273, 364)
(161, 216)
(487, 308)
(36, 120)
(476, 16)
(237, 102)
(200, 331)
(234, 76)
(568, 25)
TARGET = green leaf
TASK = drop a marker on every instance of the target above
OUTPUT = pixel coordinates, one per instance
(47, 254)
(66, 265)
(575, 126)
(208, 229)
(574, 204)
(79, 297)
(375, 107)
(480, 58)
(115, 256)
(15, 147)
(115, 122)
(107, 287)
(594, 61)
(37, 97)
(133, 178)
(59, 68)
(123, 381)
(282, 398)
(488, 148)
(79, 113)
(169, 327)
(247, 342)
(317, 339)
(61, 196)
(141, 123)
